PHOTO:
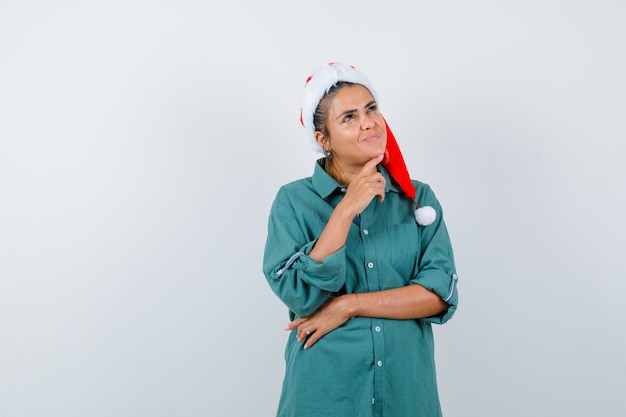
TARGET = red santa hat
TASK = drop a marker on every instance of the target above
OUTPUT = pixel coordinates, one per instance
(317, 86)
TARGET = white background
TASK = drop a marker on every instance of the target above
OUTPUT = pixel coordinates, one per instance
(142, 143)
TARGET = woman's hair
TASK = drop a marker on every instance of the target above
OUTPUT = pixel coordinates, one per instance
(320, 122)
(320, 117)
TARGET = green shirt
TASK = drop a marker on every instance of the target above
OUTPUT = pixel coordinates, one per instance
(368, 366)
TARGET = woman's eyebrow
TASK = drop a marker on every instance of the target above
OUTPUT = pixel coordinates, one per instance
(354, 110)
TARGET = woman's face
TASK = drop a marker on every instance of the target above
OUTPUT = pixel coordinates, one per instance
(356, 128)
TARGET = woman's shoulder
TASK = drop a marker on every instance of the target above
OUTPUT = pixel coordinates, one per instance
(420, 185)
(295, 188)
(424, 194)
(299, 184)
(292, 194)
(423, 189)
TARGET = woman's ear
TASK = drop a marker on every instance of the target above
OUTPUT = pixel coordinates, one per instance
(321, 140)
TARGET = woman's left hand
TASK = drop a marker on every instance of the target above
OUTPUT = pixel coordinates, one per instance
(332, 314)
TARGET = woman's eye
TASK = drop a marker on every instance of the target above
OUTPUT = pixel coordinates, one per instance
(372, 109)
(348, 117)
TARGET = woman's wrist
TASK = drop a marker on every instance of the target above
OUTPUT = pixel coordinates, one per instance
(352, 305)
(345, 212)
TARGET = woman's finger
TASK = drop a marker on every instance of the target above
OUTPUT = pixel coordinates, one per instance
(381, 194)
(370, 165)
(305, 331)
(292, 325)
(313, 338)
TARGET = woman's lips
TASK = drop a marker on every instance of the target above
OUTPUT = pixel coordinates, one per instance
(372, 137)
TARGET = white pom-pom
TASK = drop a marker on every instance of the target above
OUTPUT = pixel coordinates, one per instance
(425, 215)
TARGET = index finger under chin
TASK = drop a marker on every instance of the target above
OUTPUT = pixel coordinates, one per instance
(371, 164)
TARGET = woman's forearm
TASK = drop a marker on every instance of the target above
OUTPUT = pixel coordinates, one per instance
(334, 235)
(410, 302)
(365, 186)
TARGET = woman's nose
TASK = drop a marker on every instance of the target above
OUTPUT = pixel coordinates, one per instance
(367, 122)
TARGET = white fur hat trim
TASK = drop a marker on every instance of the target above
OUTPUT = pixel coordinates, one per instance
(318, 85)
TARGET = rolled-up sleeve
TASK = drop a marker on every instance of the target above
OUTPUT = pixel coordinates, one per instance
(437, 270)
(301, 282)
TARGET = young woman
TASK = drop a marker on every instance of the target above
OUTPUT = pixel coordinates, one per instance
(362, 272)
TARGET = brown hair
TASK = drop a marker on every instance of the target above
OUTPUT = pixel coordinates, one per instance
(320, 121)
(320, 117)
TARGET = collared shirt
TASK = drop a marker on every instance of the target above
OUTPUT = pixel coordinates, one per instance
(367, 366)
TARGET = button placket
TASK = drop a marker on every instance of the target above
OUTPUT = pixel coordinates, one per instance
(369, 241)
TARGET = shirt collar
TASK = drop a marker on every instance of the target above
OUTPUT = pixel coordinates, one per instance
(325, 185)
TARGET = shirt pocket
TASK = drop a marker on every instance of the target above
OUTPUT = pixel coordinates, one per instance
(404, 249)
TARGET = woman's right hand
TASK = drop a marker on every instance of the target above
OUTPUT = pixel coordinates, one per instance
(368, 184)
(332, 314)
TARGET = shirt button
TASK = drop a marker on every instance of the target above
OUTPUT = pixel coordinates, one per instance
(366, 232)
(379, 363)
(343, 190)
(377, 328)
(370, 265)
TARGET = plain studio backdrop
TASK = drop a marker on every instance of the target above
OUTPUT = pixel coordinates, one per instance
(142, 144)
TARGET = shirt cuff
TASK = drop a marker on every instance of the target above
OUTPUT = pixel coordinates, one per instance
(444, 286)
(328, 275)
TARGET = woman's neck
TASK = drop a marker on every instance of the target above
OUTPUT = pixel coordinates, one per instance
(343, 175)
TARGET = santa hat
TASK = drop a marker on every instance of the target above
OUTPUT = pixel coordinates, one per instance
(317, 86)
